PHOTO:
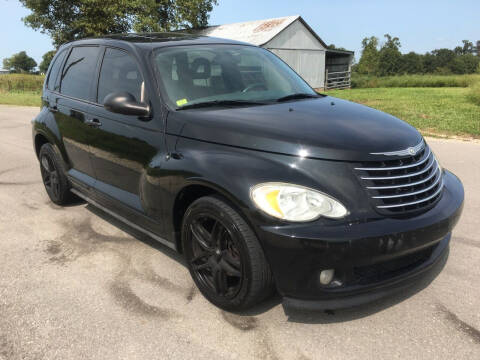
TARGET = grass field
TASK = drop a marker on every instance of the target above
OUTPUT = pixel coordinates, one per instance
(366, 81)
(447, 111)
(24, 98)
(21, 89)
(21, 82)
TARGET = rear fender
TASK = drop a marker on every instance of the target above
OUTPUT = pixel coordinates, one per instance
(44, 124)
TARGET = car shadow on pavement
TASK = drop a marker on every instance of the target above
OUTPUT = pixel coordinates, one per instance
(73, 203)
(261, 308)
(137, 234)
(294, 315)
(357, 312)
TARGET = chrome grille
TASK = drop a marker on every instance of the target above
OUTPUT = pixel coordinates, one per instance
(405, 184)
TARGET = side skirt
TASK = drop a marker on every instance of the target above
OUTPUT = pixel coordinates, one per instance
(122, 219)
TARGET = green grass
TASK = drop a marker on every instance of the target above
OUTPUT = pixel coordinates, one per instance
(24, 98)
(474, 93)
(447, 111)
(365, 81)
(21, 82)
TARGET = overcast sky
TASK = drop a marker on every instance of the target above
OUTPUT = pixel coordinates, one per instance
(421, 25)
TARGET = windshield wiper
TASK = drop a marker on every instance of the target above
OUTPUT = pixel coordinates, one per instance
(219, 103)
(297, 96)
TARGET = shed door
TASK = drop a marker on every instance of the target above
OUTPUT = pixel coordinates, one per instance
(309, 64)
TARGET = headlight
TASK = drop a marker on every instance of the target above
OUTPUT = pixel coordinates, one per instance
(295, 203)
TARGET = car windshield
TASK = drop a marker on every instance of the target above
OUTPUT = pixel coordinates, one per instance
(226, 74)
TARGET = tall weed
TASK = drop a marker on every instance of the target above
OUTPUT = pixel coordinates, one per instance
(21, 82)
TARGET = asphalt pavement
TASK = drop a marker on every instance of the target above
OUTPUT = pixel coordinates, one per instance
(76, 284)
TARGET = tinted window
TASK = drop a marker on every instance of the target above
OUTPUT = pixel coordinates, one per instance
(119, 73)
(54, 69)
(78, 72)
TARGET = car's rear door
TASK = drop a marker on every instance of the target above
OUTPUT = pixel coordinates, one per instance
(52, 83)
(75, 110)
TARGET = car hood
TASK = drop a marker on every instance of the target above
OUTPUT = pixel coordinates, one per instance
(324, 128)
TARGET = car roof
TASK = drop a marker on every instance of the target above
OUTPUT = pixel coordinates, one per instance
(154, 40)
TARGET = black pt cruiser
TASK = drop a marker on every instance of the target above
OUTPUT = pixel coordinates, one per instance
(219, 150)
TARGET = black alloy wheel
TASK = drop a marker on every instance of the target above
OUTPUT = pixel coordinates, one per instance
(53, 176)
(224, 256)
(216, 259)
(50, 175)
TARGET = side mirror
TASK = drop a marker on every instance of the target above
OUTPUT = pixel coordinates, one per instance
(125, 103)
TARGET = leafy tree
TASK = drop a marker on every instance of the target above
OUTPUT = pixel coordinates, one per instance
(46, 60)
(467, 47)
(368, 63)
(465, 64)
(429, 63)
(443, 57)
(390, 57)
(168, 15)
(333, 47)
(412, 63)
(66, 20)
(19, 62)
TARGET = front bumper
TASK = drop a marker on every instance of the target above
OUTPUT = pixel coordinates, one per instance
(371, 258)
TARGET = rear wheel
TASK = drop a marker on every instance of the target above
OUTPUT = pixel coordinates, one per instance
(53, 176)
(224, 256)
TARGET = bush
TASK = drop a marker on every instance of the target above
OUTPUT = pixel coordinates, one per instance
(365, 81)
(21, 82)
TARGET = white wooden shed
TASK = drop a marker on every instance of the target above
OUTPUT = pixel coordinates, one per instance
(293, 40)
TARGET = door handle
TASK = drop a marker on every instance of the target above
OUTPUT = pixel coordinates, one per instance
(53, 108)
(93, 123)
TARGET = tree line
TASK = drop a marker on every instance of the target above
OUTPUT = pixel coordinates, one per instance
(387, 59)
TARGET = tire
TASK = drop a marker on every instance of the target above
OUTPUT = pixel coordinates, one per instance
(53, 176)
(216, 240)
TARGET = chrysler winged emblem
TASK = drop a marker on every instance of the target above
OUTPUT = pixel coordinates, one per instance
(408, 151)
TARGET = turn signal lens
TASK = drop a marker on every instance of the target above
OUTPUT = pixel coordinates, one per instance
(295, 202)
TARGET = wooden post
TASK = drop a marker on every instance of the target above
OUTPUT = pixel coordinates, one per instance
(350, 74)
(326, 78)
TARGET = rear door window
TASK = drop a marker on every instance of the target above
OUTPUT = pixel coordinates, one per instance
(78, 72)
(119, 73)
(55, 68)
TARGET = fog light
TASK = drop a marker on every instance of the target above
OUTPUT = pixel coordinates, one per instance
(326, 276)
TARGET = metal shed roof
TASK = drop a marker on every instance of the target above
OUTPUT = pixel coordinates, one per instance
(257, 32)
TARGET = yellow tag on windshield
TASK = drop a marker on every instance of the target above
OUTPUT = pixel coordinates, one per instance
(181, 102)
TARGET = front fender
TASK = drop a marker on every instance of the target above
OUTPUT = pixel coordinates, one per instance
(232, 172)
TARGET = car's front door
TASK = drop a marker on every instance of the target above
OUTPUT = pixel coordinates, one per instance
(124, 146)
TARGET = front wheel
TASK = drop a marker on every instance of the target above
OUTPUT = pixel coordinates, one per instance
(224, 256)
